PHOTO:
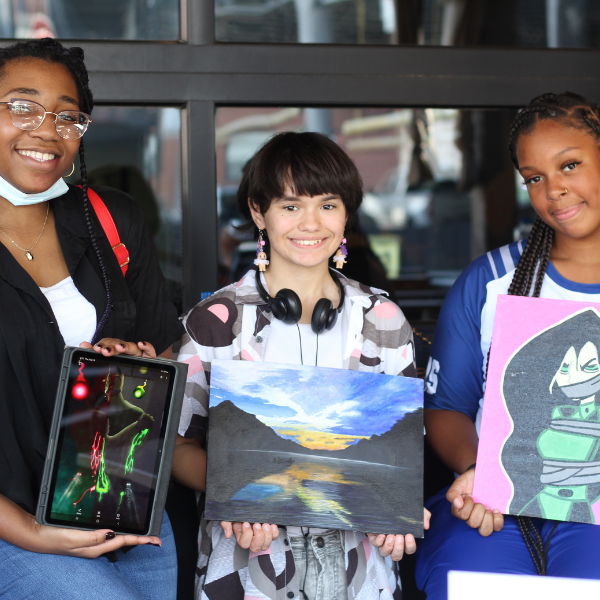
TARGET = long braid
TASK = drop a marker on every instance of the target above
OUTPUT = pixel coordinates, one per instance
(97, 249)
(75, 57)
(53, 51)
(547, 238)
(575, 111)
(521, 275)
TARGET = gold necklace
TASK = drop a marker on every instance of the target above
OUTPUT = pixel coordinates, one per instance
(28, 250)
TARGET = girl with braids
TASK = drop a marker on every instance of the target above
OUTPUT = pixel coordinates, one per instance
(60, 283)
(555, 144)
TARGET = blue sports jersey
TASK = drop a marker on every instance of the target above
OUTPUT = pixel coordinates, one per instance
(455, 378)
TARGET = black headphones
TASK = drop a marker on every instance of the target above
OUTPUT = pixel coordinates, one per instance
(286, 307)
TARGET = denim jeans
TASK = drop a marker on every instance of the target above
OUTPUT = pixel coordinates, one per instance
(143, 573)
(320, 565)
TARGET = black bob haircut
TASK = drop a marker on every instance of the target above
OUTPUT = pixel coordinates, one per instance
(310, 164)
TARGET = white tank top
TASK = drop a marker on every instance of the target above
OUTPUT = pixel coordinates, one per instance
(75, 316)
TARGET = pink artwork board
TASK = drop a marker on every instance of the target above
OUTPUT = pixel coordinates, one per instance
(540, 434)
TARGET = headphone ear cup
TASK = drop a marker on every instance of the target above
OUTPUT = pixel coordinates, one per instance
(279, 308)
(331, 319)
(291, 306)
(321, 315)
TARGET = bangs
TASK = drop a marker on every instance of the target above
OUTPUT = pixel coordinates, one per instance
(305, 164)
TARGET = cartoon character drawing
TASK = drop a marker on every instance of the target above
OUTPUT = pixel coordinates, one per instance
(550, 387)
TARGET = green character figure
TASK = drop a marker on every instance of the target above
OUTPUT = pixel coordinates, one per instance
(555, 465)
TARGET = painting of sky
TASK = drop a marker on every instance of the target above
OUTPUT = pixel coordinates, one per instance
(318, 408)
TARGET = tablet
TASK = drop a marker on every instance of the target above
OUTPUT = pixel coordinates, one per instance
(111, 443)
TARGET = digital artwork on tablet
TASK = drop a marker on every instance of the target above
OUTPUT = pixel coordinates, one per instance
(540, 433)
(110, 438)
(317, 447)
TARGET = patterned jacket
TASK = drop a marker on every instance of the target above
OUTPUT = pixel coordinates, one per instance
(232, 324)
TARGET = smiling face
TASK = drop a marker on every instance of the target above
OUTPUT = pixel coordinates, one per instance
(303, 231)
(32, 161)
(561, 168)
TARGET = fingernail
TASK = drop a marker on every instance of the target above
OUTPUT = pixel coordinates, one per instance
(246, 525)
(155, 544)
(110, 535)
(120, 345)
(496, 511)
(97, 346)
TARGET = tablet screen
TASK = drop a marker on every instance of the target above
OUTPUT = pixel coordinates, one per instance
(110, 443)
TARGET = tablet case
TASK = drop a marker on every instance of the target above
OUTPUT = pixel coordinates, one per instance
(164, 471)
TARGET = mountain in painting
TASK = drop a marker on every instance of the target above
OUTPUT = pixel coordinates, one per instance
(400, 446)
(238, 430)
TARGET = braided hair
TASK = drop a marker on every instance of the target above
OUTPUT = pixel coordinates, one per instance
(569, 109)
(52, 51)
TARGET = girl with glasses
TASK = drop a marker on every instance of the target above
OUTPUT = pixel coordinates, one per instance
(61, 283)
(298, 192)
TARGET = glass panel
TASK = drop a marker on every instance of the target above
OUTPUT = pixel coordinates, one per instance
(440, 190)
(306, 21)
(138, 151)
(91, 19)
(515, 23)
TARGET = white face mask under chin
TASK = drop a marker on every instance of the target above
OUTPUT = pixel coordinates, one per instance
(18, 198)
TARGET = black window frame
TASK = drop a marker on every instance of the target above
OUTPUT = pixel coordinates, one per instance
(199, 74)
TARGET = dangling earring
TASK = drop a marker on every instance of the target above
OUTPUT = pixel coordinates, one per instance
(261, 260)
(70, 172)
(340, 255)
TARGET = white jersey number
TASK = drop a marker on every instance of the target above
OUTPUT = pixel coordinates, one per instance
(431, 378)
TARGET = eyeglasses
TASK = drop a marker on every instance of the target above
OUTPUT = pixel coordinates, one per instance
(29, 115)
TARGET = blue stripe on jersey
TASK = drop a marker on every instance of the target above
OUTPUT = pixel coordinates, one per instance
(498, 263)
(504, 260)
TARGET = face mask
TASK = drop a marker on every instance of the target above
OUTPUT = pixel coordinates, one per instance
(18, 198)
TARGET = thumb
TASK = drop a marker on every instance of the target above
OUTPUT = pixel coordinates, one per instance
(460, 487)
(147, 349)
(454, 495)
(227, 527)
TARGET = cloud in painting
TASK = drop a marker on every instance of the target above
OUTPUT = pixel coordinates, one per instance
(335, 401)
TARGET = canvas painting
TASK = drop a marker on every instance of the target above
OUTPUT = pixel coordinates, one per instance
(540, 433)
(317, 447)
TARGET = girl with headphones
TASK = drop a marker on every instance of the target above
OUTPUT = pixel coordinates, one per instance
(299, 190)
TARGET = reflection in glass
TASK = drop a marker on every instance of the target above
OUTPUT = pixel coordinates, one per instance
(138, 151)
(306, 21)
(515, 23)
(90, 19)
(439, 190)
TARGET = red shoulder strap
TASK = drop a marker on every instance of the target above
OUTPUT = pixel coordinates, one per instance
(110, 229)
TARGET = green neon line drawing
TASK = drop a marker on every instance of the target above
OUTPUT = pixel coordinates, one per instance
(137, 440)
(103, 484)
